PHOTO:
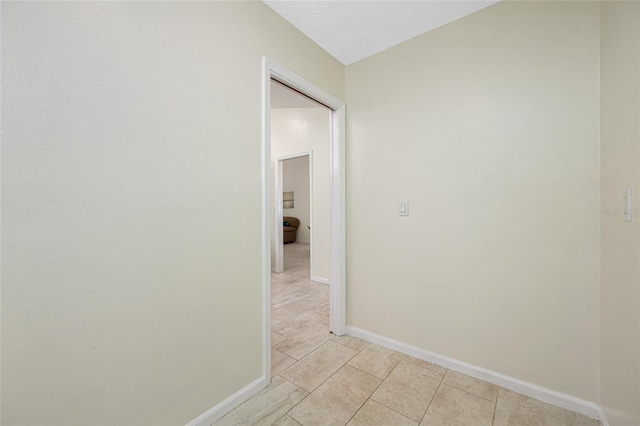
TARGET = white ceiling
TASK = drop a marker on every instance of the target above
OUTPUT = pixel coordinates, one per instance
(354, 30)
(284, 97)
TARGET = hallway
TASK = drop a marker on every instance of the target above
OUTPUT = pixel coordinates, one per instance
(321, 379)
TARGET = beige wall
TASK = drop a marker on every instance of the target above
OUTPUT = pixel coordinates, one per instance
(489, 126)
(296, 179)
(131, 185)
(620, 169)
(296, 130)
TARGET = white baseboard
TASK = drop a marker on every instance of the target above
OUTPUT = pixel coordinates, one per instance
(216, 412)
(538, 392)
(320, 280)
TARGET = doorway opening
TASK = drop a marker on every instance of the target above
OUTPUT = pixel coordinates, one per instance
(328, 279)
(294, 201)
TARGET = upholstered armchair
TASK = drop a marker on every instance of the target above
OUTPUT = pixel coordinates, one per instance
(290, 229)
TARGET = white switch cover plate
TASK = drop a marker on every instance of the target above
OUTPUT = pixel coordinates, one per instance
(403, 208)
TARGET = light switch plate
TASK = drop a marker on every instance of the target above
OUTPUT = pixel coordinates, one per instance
(403, 208)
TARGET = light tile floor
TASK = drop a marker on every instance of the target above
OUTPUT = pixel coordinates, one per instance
(321, 379)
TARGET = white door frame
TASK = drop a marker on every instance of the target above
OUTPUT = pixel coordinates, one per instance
(279, 210)
(337, 278)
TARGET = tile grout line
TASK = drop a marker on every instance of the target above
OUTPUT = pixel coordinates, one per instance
(374, 391)
(289, 410)
(312, 350)
(316, 388)
(471, 393)
(373, 375)
(380, 403)
(330, 340)
(434, 395)
(391, 409)
(495, 409)
(346, 346)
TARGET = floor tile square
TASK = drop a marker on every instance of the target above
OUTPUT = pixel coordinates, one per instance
(301, 344)
(474, 386)
(410, 387)
(282, 314)
(351, 342)
(280, 361)
(276, 338)
(297, 324)
(453, 407)
(337, 399)
(373, 413)
(576, 419)
(376, 360)
(514, 409)
(318, 366)
(286, 421)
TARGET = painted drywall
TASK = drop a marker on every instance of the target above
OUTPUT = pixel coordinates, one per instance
(489, 127)
(131, 205)
(296, 130)
(620, 246)
(296, 179)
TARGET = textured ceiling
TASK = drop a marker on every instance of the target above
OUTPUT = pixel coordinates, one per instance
(284, 97)
(353, 30)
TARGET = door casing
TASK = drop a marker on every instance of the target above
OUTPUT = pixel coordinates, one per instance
(337, 216)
